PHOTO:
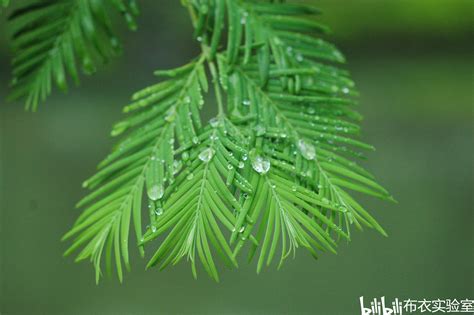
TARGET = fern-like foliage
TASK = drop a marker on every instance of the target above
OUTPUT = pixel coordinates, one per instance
(51, 37)
(272, 169)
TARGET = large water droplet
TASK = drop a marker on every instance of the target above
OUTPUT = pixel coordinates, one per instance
(156, 192)
(307, 149)
(206, 155)
(261, 164)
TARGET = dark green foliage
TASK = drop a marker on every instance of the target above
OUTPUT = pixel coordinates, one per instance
(51, 37)
(272, 169)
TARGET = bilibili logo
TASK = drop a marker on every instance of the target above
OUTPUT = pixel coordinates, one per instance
(408, 306)
(379, 307)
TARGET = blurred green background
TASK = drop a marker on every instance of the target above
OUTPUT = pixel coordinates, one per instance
(413, 62)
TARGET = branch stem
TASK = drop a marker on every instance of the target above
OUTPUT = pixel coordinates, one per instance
(205, 48)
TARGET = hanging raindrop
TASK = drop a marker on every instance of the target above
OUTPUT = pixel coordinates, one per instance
(159, 211)
(307, 149)
(260, 164)
(214, 122)
(156, 192)
(206, 155)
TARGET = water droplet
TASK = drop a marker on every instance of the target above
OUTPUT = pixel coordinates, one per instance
(261, 164)
(343, 209)
(170, 115)
(246, 102)
(242, 229)
(190, 176)
(159, 211)
(214, 122)
(153, 228)
(345, 90)
(176, 166)
(206, 155)
(293, 188)
(233, 230)
(187, 99)
(299, 58)
(307, 149)
(241, 164)
(156, 192)
(195, 140)
(230, 167)
(245, 157)
(199, 39)
(311, 110)
(350, 216)
(260, 130)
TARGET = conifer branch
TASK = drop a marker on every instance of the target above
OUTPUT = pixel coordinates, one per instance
(273, 169)
(50, 37)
